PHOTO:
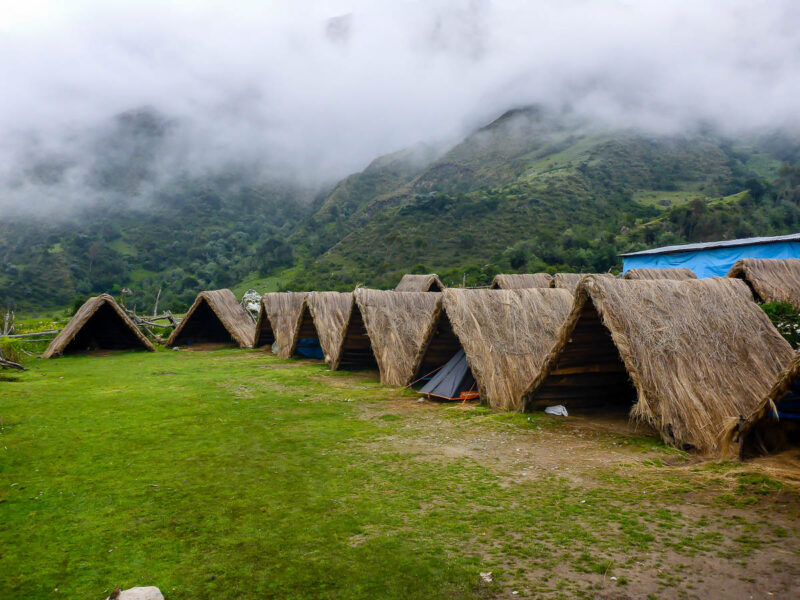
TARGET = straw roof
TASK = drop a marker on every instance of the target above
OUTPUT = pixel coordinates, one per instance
(751, 432)
(772, 280)
(678, 274)
(696, 351)
(355, 347)
(279, 320)
(330, 311)
(569, 281)
(398, 326)
(506, 335)
(515, 281)
(100, 323)
(420, 283)
(211, 309)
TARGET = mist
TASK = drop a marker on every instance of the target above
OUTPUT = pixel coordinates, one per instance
(115, 100)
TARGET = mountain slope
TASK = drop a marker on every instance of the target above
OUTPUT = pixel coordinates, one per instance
(196, 235)
(536, 192)
(530, 191)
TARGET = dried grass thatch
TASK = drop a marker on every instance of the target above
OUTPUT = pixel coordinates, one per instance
(772, 280)
(505, 334)
(570, 281)
(650, 274)
(355, 348)
(518, 281)
(398, 325)
(330, 311)
(279, 320)
(420, 283)
(696, 352)
(215, 317)
(99, 324)
(761, 431)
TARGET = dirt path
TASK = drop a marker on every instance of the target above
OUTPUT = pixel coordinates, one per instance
(748, 543)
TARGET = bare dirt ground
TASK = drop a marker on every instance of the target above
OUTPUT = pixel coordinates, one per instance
(747, 540)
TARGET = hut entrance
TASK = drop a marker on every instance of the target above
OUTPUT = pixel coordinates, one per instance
(104, 330)
(307, 337)
(590, 376)
(203, 327)
(265, 336)
(444, 372)
(356, 347)
(773, 434)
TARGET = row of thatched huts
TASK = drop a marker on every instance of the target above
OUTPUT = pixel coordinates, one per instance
(696, 360)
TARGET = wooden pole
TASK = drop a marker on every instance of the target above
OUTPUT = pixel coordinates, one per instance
(155, 308)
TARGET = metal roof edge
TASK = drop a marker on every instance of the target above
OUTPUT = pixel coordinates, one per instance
(754, 241)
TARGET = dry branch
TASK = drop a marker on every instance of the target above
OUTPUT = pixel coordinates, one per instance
(35, 333)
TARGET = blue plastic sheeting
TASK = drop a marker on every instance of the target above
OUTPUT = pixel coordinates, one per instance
(310, 348)
(711, 262)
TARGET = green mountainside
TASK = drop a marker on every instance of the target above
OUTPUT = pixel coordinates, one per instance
(199, 235)
(531, 191)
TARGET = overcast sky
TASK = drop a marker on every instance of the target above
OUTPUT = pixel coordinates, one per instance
(315, 90)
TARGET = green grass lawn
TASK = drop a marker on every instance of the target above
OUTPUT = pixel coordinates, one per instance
(231, 474)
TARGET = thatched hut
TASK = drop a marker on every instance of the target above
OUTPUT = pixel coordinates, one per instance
(398, 326)
(505, 334)
(681, 356)
(280, 320)
(388, 329)
(770, 279)
(570, 281)
(420, 283)
(216, 317)
(100, 324)
(330, 311)
(518, 281)
(649, 274)
(774, 424)
(355, 347)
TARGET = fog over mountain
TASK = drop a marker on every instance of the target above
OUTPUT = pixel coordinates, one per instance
(114, 101)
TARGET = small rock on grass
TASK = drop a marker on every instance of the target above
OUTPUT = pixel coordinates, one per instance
(137, 593)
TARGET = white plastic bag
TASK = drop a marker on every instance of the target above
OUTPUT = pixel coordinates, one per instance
(558, 410)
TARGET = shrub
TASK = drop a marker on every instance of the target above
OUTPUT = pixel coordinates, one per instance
(11, 350)
(786, 320)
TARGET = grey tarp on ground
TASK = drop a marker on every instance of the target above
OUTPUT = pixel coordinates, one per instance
(452, 379)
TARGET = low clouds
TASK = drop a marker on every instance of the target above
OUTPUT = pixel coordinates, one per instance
(115, 99)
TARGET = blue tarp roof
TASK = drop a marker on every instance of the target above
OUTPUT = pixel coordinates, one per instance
(713, 259)
(727, 243)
